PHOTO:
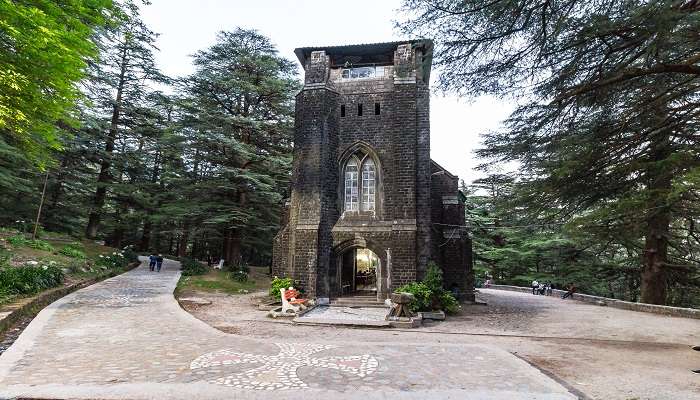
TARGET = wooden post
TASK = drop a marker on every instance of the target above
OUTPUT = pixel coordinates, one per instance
(41, 204)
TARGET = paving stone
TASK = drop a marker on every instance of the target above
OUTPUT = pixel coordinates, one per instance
(127, 337)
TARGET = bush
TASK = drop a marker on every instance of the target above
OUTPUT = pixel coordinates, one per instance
(112, 261)
(277, 284)
(239, 276)
(192, 267)
(422, 296)
(20, 240)
(29, 279)
(40, 245)
(429, 294)
(130, 254)
(72, 252)
(17, 240)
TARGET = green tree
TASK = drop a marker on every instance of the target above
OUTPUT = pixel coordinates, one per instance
(239, 106)
(606, 134)
(118, 84)
(44, 50)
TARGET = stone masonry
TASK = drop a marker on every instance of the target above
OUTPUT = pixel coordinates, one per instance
(370, 101)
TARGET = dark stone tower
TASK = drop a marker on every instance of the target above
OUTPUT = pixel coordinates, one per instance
(360, 217)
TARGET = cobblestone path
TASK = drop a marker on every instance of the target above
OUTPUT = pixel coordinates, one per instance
(127, 338)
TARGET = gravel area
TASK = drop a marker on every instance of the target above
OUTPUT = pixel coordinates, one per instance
(603, 353)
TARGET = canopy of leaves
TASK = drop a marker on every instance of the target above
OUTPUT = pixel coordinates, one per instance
(606, 131)
(44, 49)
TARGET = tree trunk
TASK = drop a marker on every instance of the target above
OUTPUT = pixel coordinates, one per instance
(105, 176)
(658, 221)
(184, 238)
(146, 236)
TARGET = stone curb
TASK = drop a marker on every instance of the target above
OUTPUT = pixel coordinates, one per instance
(621, 304)
(36, 304)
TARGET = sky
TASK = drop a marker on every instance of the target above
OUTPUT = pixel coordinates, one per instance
(186, 26)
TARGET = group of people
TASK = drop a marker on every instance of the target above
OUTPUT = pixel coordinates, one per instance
(545, 289)
(155, 262)
(542, 288)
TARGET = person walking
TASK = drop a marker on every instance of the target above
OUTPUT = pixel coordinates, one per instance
(549, 288)
(152, 262)
(535, 285)
(570, 291)
(159, 262)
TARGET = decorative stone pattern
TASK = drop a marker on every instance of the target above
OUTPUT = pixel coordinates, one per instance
(279, 372)
(317, 230)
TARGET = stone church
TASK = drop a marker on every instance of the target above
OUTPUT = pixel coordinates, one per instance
(369, 209)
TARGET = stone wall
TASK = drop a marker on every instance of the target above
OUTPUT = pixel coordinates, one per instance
(605, 301)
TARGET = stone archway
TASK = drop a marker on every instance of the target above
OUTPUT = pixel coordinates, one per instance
(357, 269)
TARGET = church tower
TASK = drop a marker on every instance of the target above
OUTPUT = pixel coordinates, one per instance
(359, 216)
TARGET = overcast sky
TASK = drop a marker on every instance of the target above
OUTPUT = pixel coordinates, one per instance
(186, 26)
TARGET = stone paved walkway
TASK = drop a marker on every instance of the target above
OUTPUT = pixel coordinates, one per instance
(127, 338)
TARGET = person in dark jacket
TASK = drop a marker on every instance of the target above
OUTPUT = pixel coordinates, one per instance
(159, 262)
(152, 261)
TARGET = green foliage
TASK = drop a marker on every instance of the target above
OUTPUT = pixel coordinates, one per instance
(423, 296)
(279, 283)
(17, 240)
(239, 276)
(20, 240)
(114, 260)
(29, 279)
(72, 252)
(429, 294)
(191, 267)
(39, 245)
(45, 48)
(613, 175)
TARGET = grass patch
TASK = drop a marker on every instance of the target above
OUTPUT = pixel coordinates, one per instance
(217, 281)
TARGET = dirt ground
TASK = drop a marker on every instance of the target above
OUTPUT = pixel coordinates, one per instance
(598, 352)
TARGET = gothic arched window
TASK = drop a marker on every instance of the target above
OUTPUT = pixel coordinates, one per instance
(360, 183)
(351, 185)
(368, 184)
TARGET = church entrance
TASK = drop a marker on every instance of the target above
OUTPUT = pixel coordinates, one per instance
(358, 272)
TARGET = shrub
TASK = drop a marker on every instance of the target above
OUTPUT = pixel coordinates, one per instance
(17, 240)
(277, 284)
(40, 245)
(239, 276)
(429, 294)
(29, 279)
(111, 261)
(192, 267)
(130, 254)
(76, 245)
(20, 240)
(72, 252)
(422, 296)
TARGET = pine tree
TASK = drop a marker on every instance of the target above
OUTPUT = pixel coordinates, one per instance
(119, 82)
(607, 129)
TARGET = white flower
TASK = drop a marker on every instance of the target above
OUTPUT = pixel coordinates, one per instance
(101, 256)
(45, 267)
(32, 262)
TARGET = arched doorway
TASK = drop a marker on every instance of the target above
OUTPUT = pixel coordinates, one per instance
(359, 269)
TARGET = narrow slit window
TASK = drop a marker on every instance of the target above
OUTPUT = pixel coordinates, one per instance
(359, 110)
(342, 110)
(377, 109)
